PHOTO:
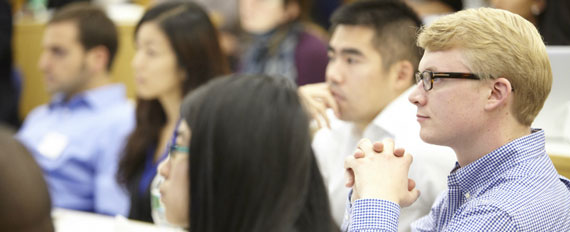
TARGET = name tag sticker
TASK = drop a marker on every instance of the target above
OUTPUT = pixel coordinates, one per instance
(53, 144)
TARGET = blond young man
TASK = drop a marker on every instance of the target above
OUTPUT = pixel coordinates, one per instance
(483, 79)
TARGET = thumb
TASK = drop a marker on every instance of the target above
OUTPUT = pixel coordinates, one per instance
(410, 198)
(349, 177)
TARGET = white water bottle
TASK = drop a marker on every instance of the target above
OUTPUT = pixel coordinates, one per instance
(157, 208)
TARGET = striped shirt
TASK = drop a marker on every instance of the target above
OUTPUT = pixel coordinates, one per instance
(514, 188)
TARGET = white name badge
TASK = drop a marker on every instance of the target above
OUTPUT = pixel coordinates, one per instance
(53, 144)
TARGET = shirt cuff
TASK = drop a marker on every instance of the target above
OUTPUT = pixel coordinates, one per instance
(374, 215)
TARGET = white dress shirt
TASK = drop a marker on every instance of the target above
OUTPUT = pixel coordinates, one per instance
(429, 169)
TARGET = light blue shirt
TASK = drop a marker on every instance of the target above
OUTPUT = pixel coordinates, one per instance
(78, 145)
(514, 188)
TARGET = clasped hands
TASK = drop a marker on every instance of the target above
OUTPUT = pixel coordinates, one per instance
(379, 171)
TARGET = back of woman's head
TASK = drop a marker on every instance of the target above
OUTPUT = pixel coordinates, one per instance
(25, 205)
(251, 165)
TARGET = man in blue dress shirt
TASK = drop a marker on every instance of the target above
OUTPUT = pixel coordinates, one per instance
(482, 80)
(78, 136)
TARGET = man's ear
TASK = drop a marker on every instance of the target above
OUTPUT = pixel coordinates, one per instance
(537, 7)
(404, 75)
(292, 10)
(501, 90)
(98, 58)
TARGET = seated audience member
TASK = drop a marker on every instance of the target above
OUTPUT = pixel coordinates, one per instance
(484, 77)
(370, 75)
(77, 137)
(242, 161)
(25, 203)
(551, 17)
(282, 44)
(430, 10)
(177, 50)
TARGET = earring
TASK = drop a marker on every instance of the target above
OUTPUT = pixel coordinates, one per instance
(535, 10)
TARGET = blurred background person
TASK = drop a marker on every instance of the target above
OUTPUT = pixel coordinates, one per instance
(551, 17)
(77, 137)
(25, 201)
(177, 50)
(322, 10)
(9, 83)
(281, 42)
(245, 165)
(225, 16)
(430, 10)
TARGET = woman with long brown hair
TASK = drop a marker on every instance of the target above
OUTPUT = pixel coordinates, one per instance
(177, 50)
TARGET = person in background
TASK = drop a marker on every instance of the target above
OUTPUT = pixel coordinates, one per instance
(484, 77)
(322, 10)
(430, 10)
(225, 16)
(373, 57)
(177, 50)
(551, 17)
(77, 137)
(25, 201)
(282, 44)
(9, 90)
(245, 165)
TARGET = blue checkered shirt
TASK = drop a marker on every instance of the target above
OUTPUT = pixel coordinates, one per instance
(514, 188)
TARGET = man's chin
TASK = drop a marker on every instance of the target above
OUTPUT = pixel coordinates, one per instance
(430, 138)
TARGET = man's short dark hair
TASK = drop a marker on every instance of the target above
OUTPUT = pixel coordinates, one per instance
(94, 27)
(395, 27)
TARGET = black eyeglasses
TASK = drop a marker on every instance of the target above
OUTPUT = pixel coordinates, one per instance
(428, 76)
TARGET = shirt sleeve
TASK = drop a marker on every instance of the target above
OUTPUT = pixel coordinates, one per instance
(373, 215)
(109, 196)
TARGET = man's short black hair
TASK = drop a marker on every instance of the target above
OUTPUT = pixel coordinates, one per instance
(395, 27)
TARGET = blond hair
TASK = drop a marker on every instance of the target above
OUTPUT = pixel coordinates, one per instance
(496, 44)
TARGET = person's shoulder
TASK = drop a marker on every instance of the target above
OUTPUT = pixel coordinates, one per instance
(311, 40)
(39, 110)
(123, 108)
(117, 119)
(37, 114)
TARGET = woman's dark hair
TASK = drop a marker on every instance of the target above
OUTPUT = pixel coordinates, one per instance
(195, 43)
(554, 22)
(251, 162)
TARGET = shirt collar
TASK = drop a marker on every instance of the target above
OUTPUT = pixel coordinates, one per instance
(473, 177)
(95, 98)
(392, 114)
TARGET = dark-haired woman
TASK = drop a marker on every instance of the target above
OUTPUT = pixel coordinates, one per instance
(177, 50)
(246, 164)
